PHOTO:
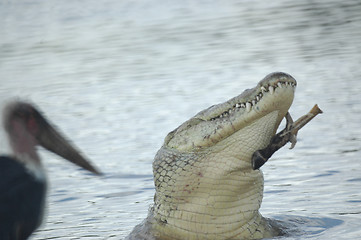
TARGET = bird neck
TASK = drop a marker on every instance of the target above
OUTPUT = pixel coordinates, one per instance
(23, 142)
(23, 145)
(32, 163)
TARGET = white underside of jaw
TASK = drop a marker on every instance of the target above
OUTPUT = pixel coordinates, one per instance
(243, 143)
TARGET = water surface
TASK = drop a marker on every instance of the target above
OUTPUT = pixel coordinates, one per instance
(117, 76)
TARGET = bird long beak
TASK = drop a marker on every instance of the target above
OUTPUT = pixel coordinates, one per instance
(49, 138)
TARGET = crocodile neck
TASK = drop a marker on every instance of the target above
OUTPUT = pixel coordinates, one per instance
(213, 193)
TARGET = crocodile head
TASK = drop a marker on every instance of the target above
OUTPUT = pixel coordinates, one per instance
(205, 185)
(269, 100)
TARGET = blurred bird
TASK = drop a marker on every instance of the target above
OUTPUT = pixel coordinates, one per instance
(22, 176)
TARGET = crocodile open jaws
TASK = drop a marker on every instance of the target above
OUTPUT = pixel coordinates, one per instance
(204, 181)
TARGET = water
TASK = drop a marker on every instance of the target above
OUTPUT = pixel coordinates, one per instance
(117, 76)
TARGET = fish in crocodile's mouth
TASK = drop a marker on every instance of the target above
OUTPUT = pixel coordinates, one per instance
(274, 93)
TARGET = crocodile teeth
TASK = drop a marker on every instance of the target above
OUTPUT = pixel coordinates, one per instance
(271, 89)
(248, 106)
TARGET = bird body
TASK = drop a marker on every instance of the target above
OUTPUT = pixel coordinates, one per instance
(22, 176)
(22, 198)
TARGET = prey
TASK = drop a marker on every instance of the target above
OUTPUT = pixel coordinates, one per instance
(289, 134)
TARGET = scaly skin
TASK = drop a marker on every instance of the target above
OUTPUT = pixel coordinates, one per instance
(205, 185)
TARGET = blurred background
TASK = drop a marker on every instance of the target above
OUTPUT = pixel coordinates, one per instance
(117, 76)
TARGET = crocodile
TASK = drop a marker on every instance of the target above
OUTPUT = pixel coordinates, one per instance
(205, 186)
